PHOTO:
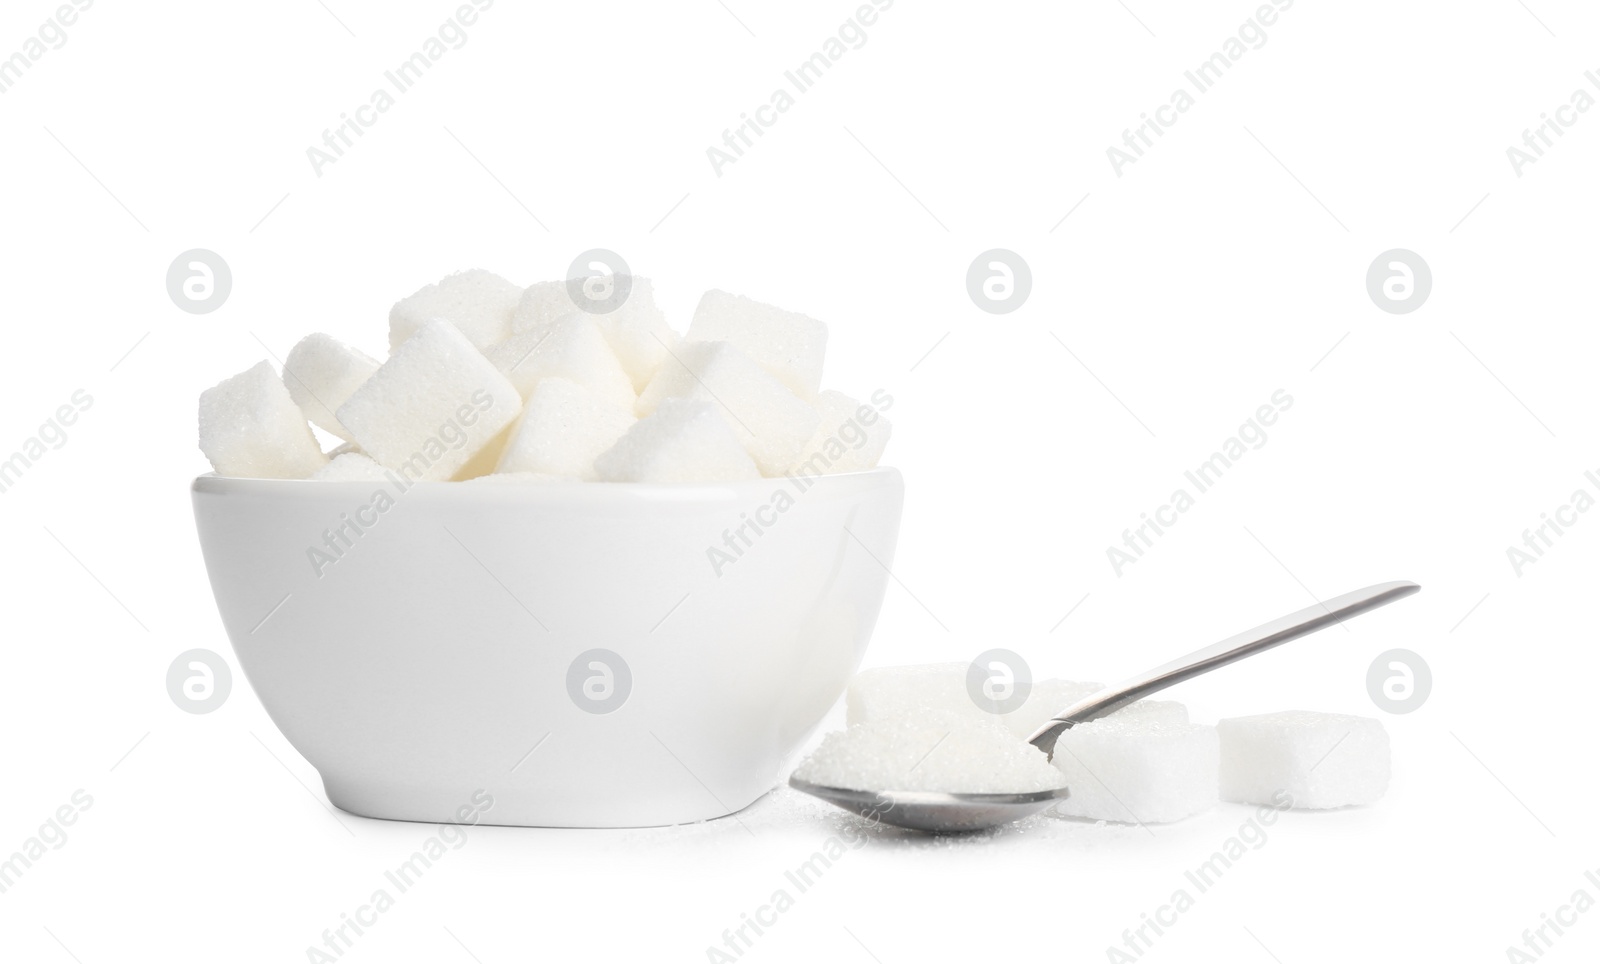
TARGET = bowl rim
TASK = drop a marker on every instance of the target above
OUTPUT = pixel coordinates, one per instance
(838, 483)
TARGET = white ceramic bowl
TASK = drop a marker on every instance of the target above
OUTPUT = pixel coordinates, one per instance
(435, 659)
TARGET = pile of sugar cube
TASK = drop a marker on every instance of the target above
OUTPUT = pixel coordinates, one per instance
(917, 728)
(486, 379)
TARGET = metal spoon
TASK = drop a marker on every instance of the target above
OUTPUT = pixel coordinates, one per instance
(955, 812)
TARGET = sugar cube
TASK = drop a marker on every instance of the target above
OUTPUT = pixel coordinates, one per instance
(1046, 698)
(436, 410)
(250, 426)
(638, 333)
(849, 438)
(541, 304)
(569, 347)
(1033, 714)
(886, 692)
(681, 441)
(477, 302)
(435, 403)
(351, 467)
(484, 460)
(929, 750)
(1138, 772)
(1321, 760)
(564, 427)
(787, 344)
(1153, 711)
(322, 373)
(770, 421)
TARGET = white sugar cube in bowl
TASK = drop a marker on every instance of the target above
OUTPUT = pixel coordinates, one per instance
(567, 647)
(786, 343)
(479, 303)
(250, 425)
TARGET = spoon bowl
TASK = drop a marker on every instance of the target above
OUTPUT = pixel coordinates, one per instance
(934, 812)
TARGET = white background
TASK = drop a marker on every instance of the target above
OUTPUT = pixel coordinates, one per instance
(1226, 264)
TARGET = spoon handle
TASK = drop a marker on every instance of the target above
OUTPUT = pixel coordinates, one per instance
(1247, 643)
